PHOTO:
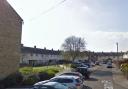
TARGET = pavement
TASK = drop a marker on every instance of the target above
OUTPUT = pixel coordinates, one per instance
(119, 78)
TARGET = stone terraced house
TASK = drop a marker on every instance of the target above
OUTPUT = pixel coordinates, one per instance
(10, 39)
(37, 56)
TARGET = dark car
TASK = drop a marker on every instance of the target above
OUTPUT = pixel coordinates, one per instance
(88, 64)
(84, 71)
(78, 64)
(97, 63)
(109, 65)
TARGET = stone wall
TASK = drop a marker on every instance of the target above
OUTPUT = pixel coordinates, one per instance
(10, 39)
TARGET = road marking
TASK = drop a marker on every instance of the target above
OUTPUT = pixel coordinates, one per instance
(107, 84)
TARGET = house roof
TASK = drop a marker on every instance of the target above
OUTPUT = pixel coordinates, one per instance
(109, 53)
(39, 51)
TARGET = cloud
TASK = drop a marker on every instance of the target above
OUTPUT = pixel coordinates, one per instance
(101, 22)
(106, 41)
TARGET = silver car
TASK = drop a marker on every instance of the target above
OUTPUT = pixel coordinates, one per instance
(50, 85)
(73, 82)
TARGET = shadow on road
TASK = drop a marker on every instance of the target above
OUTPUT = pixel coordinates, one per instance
(92, 79)
(86, 87)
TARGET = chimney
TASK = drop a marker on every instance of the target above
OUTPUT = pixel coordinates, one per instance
(22, 45)
(44, 48)
(35, 46)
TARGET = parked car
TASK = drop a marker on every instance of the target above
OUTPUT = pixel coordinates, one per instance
(50, 85)
(92, 64)
(97, 63)
(83, 65)
(84, 71)
(41, 82)
(78, 64)
(109, 65)
(74, 74)
(73, 82)
(88, 64)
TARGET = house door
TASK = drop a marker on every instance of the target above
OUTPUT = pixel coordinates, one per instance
(32, 62)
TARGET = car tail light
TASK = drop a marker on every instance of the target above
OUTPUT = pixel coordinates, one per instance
(78, 84)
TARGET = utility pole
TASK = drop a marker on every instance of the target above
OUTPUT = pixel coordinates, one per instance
(117, 56)
(117, 51)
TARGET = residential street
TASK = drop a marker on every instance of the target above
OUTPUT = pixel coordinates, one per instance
(102, 78)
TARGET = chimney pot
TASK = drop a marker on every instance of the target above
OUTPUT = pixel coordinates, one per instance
(35, 46)
(22, 45)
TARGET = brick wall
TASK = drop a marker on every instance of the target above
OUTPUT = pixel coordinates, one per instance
(10, 39)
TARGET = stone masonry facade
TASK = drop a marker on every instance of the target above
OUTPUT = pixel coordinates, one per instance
(10, 39)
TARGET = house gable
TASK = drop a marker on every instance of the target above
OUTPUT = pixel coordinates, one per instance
(6, 10)
(10, 39)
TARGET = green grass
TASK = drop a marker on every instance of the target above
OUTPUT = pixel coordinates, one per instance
(35, 70)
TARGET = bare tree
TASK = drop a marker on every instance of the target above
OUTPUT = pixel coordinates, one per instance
(73, 47)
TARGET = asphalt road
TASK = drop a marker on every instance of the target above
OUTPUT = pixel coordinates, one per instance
(102, 78)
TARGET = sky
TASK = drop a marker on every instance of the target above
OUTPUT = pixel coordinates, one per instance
(47, 23)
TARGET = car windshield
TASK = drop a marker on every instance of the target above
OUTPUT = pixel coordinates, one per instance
(70, 74)
(62, 80)
(78, 80)
(60, 86)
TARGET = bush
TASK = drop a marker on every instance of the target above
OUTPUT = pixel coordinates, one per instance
(51, 73)
(45, 75)
(13, 80)
(124, 69)
(120, 62)
(73, 66)
(55, 70)
(31, 80)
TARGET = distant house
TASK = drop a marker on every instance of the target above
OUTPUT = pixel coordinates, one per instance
(108, 55)
(36, 56)
(125, 56)
(10, 39)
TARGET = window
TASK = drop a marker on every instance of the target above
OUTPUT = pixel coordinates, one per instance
(62, 80)
(31, 54)
(59, 86)
(78, 80)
